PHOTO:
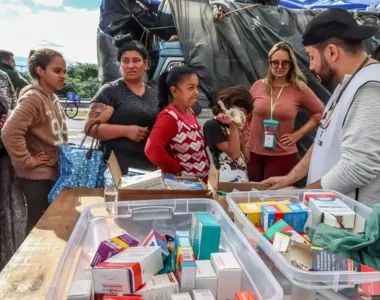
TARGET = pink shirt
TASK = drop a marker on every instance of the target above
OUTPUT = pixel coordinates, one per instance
(292, 98)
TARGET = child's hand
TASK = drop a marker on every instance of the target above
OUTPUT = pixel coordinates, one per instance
(225, 119)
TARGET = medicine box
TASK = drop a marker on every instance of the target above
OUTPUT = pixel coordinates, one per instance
(332, 211)
(181, 296)
(206, 278)
(229, 275)
(317, 195)
(186, 269)
(156, 240)
(205, 235)
(203, 295)
(160, 287)
(127, 271)
(253, 210)
(282, 227)
(112, 247)
(298, 216)
(244, 295)
(182, 239)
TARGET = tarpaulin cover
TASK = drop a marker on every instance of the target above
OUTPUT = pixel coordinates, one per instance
(234, 50)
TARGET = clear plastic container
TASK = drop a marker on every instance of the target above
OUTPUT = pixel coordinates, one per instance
(138, 218)
(301, 282)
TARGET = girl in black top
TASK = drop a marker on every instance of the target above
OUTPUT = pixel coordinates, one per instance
(224, 134)
(126, 109)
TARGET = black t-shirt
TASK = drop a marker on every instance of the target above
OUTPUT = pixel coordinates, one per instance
(230, 170)
(215, 132)
(129, 109)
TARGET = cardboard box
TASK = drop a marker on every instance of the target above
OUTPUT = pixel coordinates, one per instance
(186, 269)
(181, 296)
(253, 210)
(160, 287)
(295, 215)
(203, 295)
(334, 212)
(205, 235)
(206, 278)
(151, 194)
(229, 275)
(244, 295)
(112, 247)
(220, 189)
(127, 271)
(156, 240)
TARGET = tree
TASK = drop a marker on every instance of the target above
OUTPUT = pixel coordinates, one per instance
(82, 79)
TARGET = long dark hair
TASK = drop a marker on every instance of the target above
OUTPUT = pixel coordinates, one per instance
(237, 95)
(126, 43)
(169, 79)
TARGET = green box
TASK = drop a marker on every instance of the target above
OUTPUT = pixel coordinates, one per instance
(205, 235)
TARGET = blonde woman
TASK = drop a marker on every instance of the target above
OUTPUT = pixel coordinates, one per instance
(276, 100)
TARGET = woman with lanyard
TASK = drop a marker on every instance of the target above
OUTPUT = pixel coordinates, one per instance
(276, 100)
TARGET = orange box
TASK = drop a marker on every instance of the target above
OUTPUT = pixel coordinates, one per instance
(244, 295)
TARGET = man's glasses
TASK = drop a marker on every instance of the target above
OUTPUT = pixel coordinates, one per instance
(275, 64)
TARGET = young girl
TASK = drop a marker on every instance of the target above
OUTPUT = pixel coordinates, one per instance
(176, 144)
(224, 137)
(35, 130)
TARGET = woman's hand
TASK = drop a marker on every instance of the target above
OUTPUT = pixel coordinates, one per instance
(225, 119)
(290, 139)
(136, 133)
(40, 159)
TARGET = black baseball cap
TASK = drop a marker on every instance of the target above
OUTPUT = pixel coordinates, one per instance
(338, 23)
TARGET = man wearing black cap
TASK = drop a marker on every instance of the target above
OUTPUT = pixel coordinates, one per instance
(345, 156)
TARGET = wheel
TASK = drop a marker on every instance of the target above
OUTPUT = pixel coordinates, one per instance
(71, 110)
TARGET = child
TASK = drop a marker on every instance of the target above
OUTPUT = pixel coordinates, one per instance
(224, 135)
(176, 144)
(35, 130)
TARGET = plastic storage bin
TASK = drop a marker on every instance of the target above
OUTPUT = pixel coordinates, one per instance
(164, 216)
(302, 284)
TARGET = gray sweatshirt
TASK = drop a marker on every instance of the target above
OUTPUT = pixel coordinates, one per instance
(359, 166)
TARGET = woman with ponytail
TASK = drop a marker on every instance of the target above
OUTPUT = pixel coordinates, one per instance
(125, 108)
(176, 144)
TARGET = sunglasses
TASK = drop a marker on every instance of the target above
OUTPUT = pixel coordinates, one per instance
(275, 64)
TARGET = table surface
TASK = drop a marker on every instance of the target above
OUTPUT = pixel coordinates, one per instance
(29, 273)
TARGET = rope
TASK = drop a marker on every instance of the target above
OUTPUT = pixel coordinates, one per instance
(221, 15)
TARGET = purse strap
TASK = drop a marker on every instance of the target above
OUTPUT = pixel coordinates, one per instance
(91, 149)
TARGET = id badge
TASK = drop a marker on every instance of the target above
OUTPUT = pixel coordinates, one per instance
(270, 134)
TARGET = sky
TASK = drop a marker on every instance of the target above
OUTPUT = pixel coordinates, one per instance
(68, 26)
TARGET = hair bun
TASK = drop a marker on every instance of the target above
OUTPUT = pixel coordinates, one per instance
(31, 52)
(121, 39)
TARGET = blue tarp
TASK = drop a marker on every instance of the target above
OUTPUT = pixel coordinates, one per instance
(359, 5)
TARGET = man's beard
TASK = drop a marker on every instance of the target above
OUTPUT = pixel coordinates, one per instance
(327, 75)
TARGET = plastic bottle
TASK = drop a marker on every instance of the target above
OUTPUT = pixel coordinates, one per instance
(110, 191)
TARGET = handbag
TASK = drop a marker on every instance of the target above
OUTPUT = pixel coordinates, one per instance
(79, 167)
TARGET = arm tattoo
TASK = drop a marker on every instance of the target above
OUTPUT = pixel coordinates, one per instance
(96, 109)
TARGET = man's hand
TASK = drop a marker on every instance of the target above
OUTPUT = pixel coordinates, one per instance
(279, 182)
(136, 133)
(2, 120)
(40, 159)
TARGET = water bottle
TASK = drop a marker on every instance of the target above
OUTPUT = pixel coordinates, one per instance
(110, 191)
